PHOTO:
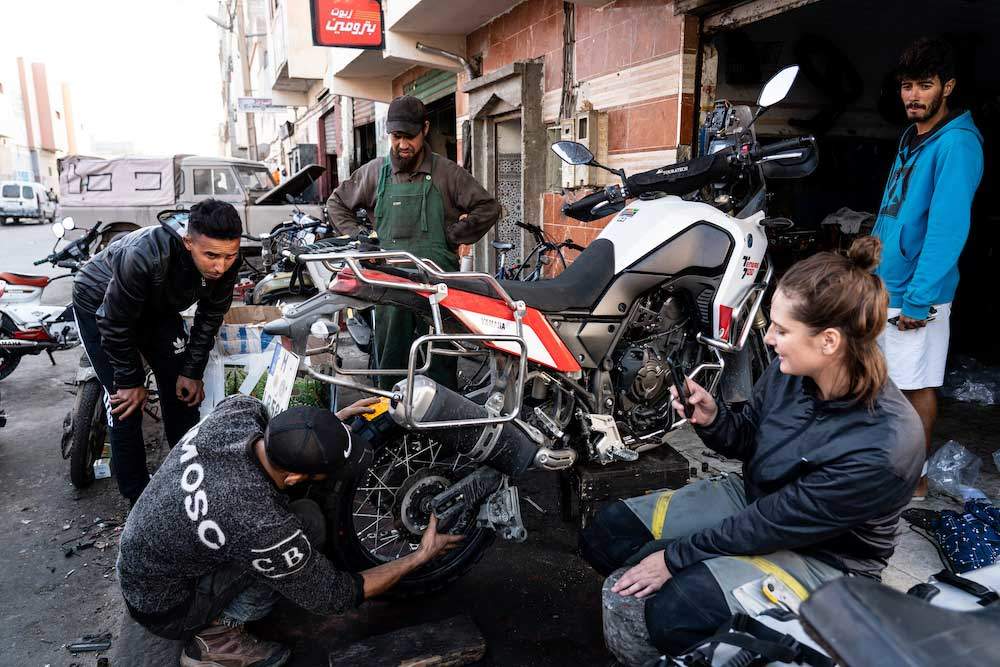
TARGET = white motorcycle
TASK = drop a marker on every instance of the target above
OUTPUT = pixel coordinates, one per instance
(26, 325)
(573, 369)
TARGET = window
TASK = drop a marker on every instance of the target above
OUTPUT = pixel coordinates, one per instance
(203, 181)
(214, 182)
(99, 183)
(148, 180)
(223, 182)
(27, 192)
(255, 179)
(9, 192)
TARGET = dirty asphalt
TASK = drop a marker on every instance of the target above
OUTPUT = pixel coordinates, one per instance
(535, 603)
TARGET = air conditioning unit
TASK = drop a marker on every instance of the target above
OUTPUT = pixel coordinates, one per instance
(589, 128)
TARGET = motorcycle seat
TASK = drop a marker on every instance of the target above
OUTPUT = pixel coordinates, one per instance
(578, 287)
(862, 623)
(24, 279)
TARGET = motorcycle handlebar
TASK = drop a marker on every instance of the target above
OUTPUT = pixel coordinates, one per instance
(581, 208)
(781, 146)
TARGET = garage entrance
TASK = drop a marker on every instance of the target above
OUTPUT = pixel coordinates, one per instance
(847, 97)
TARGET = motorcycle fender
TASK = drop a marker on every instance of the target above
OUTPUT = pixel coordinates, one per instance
(85, 373)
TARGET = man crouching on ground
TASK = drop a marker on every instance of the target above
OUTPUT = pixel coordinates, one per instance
(213, 541)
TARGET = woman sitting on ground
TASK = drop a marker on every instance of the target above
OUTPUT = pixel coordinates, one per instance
(831, 453)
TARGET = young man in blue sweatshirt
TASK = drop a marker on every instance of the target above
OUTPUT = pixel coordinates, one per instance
(923, 223)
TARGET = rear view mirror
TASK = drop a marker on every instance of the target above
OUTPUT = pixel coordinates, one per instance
(68, 223)
(58, 230)
(777, 88)
(572, 153)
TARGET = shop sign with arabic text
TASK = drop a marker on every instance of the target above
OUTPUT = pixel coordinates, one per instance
(355, 24)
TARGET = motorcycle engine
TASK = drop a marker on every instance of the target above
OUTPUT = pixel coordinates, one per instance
(642, 376)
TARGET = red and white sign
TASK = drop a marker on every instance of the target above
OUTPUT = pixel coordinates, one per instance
(355, 24)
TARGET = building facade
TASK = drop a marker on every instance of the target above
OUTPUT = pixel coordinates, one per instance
(631, 79)
(37, 124)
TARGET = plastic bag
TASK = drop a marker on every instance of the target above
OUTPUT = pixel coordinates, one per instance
(954, 470)
(971, 382)
(215, 383)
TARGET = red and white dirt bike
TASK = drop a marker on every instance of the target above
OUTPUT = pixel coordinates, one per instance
(576, 368)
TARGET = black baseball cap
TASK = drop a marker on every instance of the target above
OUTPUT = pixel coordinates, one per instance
(314, 441)
(407, 115)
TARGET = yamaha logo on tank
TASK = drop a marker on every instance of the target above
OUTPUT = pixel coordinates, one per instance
(749, 240)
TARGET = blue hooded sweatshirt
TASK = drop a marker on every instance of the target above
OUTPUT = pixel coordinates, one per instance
(923, 221)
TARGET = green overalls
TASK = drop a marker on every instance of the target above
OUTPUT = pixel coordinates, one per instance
(410, 217)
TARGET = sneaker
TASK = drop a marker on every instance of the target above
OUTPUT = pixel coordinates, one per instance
(223, 646)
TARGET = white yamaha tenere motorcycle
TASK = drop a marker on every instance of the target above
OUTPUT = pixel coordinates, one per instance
(576, 368)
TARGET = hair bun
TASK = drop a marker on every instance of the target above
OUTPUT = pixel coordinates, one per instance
(865, 253)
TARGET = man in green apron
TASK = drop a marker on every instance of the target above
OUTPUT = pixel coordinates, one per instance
(420, 202)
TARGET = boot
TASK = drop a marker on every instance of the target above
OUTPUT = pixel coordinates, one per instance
(224, 646)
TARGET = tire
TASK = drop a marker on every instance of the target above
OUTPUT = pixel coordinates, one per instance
(8, 361)
(9, 358)
(348, 543)
(88, 433)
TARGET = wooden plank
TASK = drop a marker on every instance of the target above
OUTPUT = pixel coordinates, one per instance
(750, 12)
(448, 643)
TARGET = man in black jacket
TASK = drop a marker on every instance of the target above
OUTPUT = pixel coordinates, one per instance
(127, 301)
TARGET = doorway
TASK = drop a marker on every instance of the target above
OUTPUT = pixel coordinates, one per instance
(508, 191)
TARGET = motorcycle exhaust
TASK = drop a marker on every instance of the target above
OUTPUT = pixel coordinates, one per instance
(17, 342)
(505, 447)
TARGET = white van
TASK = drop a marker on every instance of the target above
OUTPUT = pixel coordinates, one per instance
(25, 200)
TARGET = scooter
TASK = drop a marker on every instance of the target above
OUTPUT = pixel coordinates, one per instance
(27, 326)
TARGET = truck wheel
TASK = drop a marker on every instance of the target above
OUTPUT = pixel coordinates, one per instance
(89, 429)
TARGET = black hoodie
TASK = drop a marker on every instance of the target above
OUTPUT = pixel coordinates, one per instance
(139, 280)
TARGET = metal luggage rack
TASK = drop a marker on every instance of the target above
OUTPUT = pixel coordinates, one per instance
(435, 293)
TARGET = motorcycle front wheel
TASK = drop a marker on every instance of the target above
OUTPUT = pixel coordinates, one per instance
(88, 431)
(380, 516)
(8, 362)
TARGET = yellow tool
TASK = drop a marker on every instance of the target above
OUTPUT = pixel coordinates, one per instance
(780, 594)
(379, 408)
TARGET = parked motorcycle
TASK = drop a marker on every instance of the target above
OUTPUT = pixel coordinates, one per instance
(579, 366)
(27, 326)
(282, 280)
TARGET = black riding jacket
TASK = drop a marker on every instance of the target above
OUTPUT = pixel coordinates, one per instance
(140, 279)
(827, 479)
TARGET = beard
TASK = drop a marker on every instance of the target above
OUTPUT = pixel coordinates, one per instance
(930, 111)
(405, 164)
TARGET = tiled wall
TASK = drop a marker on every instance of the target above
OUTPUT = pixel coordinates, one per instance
(621, 50)
(533, 29)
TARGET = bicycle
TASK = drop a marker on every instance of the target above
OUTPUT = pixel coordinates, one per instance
(544, 245)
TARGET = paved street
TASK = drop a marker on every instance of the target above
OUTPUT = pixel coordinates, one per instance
(49, 599)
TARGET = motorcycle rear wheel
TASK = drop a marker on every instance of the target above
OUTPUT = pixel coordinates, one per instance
(89, 430)
(370, 520)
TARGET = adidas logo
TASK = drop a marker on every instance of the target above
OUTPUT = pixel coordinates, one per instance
(179, 345)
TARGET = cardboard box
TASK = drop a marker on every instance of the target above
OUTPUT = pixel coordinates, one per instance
(242, 329)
